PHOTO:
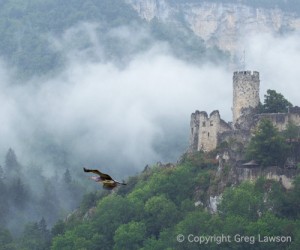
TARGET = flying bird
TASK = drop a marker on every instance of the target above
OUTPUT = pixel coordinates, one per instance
(108, 182)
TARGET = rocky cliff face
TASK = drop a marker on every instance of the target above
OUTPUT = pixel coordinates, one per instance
(221, 25)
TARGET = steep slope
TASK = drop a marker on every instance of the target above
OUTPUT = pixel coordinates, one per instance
(221, 23)
(170, 200)
(33, 30)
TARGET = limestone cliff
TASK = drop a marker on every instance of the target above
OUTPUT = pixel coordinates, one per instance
(221, 25)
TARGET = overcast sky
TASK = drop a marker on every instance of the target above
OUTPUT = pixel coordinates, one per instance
(115, 116)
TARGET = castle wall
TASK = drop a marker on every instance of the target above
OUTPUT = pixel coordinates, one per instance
(281, 120)
(208, 131)
(205, 130)
(245, 92)
(285, 176)
(194, 133)
(294, 115)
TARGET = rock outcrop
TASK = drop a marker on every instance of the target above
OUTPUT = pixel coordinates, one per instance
(218, 24)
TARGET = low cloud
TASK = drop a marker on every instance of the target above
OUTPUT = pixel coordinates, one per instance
(276, 58)
(114, 117)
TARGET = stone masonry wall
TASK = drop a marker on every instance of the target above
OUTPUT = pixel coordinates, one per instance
(205, 130)
(194, 133)
(281, 120)
(245, 92)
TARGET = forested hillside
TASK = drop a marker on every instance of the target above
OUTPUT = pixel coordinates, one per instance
(28, 28)
(28, 194)
(159, 204)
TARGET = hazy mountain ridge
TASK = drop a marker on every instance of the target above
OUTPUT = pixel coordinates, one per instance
(220, 23)
(29, 33)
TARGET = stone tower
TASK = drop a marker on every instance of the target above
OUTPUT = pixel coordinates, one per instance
(245, 92)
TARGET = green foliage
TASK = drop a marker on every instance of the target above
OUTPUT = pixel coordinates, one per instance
(36, 236)
(242, 201)
(159, 205)
(5, 238)
(27, 196)
(20, 195)
(12, 166)
(267, 146)
(160, 213)
(58, 228)
(82, 237)
(28, 26)
(292, 131)
(199, 159)
(292, 135)
(170, 182)
(130, 236)
(275, 103)
(150, 216)
(112, 211)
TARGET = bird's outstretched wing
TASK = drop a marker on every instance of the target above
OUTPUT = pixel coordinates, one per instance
(102, 175)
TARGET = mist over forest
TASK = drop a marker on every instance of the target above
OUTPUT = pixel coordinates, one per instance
(89, 83)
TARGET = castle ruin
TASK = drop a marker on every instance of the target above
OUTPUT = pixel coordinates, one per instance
(207, 132)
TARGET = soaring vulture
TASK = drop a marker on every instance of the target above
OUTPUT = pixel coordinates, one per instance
(108, 182)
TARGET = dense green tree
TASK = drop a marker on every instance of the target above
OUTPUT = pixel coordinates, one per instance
(36, 236)
(168, 181)
(5, 238)
(130, 236)
(292, 131)
(19, 193)
(296, 237)
(290, 202)
(270, 225)
(4, 205)
(45, 234)
(48, 203)
(67, 176)
(112, 211)
(164, 242)
(242, 201)
(81, 237)
(275, 103)
(1, 173)
(58, 228)
(195, 223)
(292, 135)
(267, 146)
(12, 166)
(159, 213)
